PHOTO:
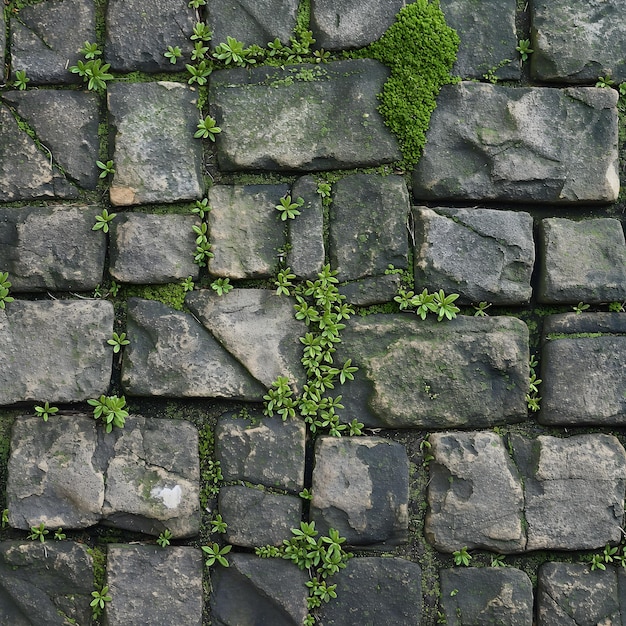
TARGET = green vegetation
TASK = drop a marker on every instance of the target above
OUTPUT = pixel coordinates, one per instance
(524, 49)
(100, 598)
(462, 557)
(221, 286)
(110, 410)
(532, 397)
(289, 209)
(5, 284)
(21, 80)
(38, 533)
(424, 303)
(92, 70)
(103, 220)
(45, 411)
(164, 538)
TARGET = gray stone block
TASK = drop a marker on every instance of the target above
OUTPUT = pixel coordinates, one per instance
(371, 290)
(488, 142)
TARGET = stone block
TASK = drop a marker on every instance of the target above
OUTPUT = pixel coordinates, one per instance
(371, 290)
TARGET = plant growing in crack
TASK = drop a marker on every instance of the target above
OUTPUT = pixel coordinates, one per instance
(21, 80)
(45, 411)
(289, 209)
(100, 598)
(462, 557)
(5, 284)
(103, 221)
(207, 128)
(38, 533)
(532, 397)
(216, 554)
(221, 286)
(118, 341)
(111, 410)
(173, 53)
(524, 49)
(164, 538)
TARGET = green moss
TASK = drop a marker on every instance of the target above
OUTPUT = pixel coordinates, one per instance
(552, 336)
(173, 294)
(303, 19)
(99, 566)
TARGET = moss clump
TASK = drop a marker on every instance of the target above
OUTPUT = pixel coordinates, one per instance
(420, 49)
(172, 294)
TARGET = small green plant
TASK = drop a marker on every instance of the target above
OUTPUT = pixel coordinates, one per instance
(201, 32)
(425, 447)
(59, 535)
(233, 52)
(605, 82)
(597, 562)
(164, 538)
(118, 341)
(100, 598)
(173, 53)
(196, 4)
(5, 518)
(481, 309)
(462, 557)
(103, 220)
(212, 476)
(93, 72)
(199, 51)
(110, 410)
(524, 49)
(207, 128)
(444, 306)
(199, 73)
(306, 494)
(107, 168)
(5, 284)
(38, 533)
(289, 209)
(424, 303)
(324, 189)
(188, 283)
(45, 411)
(617, 307)
(114, 289)
(355, 428)
(221, 286)
(90, 50)
(21, 80)
(497, 561)
(216, 554)
(532, 397)
(201, 208)
(218, 525)
(580, 307)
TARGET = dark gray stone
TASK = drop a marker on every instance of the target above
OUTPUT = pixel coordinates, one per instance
(55, 350)
(485, 43)
(252, 21)
(372, 290)
(296, 118)
(2, 45)
(66, 122)
(137, 34)
(582, 261)
(481, 254)
(475, 494)
(70, 256)
(372, 591)
(368, 231)
(258, 518)
(49, 584)
(257, 327)
(569, 39)
(153, 248)
(152, 585)
(262, 450)
(342, 24)
(361, 488)
(577, 323)
(157, 158)
(255, 591)
(417, 373)
(488, 142)
(171, 354)
(246, 230)
(486, 595)
(46, 39)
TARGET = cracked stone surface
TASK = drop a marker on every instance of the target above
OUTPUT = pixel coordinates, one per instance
(371, 290)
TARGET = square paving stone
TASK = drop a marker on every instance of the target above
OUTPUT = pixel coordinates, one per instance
(153, 585)
(582, 261)
(262, 450)
(49, 584)
(371, 290)
(157, 158)
(360, 488)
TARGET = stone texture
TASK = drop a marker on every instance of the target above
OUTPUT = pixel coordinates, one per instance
(49, 584)
(252, 21)
(257, 327)
(361, 488)
(481, 254)
(351, 23)
(296, 119)
(157, 158)
(262, 450)
(583, 369)
(2, 45)
(371, 290)
(368, 231)
(582, 261)
(70, 257)
(485, 43)
(46, 39)
(250, 251)
(373, 591)
(414, 373)
(475, 494)
(137, 35)
(569, 38)
(488, 142)
(149, 248)
(55, 350)
(171, 354)
(258, 591)
(559, 475)
(66, 123)
(486, 596)
(258, 518)
(152, 585)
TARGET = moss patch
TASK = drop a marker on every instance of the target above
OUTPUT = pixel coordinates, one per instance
(172, 294)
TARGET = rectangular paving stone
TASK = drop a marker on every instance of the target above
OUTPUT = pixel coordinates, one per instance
(489, 142)
(296, 118)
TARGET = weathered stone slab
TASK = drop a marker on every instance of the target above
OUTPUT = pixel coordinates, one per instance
(371, 290)
(486, 595)
(252, 21)
(49, 585)
(157, 158)
(55, 350)
(469, 473)
(559, 475)
(262, 450)
(569, 39)
(368, 231)
(582, 261)
(170, 354)
(486, 44)
(253, 590)
(137, 35)
(361, 488)
(152, 585)
(488, 142)
(481, 254)
(246, 230)
(417, 373)
(257, 327)
(258, 518)
(583, 369)
(153, 248)
(373, 590)
(2, 44)
(46, 39)
(69, 257)
(296, 119)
